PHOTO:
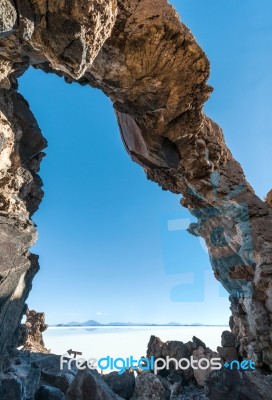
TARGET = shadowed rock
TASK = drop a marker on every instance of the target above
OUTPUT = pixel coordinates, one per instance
(89, 385)
(123, 385)
(231, 385)
(49, 393)
(228, 350)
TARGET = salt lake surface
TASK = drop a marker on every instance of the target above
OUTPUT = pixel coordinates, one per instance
(98, 342)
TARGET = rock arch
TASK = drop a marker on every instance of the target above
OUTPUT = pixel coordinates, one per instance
(141, 55)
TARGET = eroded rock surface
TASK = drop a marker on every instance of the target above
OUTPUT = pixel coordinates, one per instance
(142, 56)
(228, 350)
(34, 327)
(21, 145)
(178, 378)
(149, 386)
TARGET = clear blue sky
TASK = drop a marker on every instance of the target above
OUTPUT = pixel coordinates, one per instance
(107, 246)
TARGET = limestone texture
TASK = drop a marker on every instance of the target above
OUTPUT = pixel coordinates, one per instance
(147, 61)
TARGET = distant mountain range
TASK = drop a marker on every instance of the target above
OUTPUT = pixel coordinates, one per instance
(95, 323)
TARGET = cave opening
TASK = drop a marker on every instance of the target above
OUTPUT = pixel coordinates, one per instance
(102, 217)
(186, 152)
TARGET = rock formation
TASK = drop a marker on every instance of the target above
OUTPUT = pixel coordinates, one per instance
(34, 327)
(180, 378)
(20, 194)
(37, 376)
(228, 351)
(201, 384)
(123, 385)
(142, 56)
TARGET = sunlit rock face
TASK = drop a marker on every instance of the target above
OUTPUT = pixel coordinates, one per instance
(32, 332)
(66, 34)
(142, 56)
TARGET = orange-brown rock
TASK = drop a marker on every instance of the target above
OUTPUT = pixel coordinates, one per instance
(35, 326)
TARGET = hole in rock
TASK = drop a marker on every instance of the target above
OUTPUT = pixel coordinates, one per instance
(113, 246)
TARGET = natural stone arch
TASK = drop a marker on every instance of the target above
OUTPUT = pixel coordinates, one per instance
(149, 64)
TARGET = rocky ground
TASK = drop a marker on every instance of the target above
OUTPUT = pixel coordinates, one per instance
(30, 375)
(37, 376)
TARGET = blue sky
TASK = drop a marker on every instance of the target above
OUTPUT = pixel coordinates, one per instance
(112, 244)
